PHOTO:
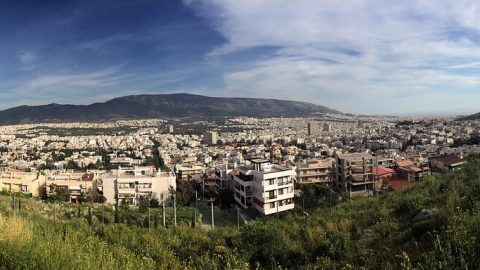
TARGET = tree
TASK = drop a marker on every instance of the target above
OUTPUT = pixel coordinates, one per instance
(143, 205)
(261, 242)
(184, 193)
(72, 165)
(61, 194)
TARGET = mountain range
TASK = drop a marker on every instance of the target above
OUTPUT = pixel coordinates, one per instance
(158, 106)
(470, 117)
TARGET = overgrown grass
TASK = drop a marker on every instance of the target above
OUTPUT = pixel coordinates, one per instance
(434, 225)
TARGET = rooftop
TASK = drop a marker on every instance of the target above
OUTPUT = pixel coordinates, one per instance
(350, 156)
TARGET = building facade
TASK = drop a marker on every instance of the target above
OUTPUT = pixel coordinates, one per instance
(313, 128)
(24, 182)
(76, 184)
(210, 137)
(353, 173)
(315, 171)
(130, 185)
(266, 187)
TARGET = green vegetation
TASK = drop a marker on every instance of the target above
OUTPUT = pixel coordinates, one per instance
(434, 225)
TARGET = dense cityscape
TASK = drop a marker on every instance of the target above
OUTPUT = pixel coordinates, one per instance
(223, 134)
(389, 152)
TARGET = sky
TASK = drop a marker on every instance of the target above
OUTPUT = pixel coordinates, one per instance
(356, 56)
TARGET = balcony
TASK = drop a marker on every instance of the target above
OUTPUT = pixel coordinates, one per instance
(271, 197)
(245, 178)
(283, 183)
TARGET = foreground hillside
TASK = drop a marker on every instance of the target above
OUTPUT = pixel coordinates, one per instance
(434, 225)
(154, 106)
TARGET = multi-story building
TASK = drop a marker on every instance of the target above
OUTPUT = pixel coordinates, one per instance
(446, 163)
(25, 182)
(76, 184)
(223, 177)
(210, 137)
(313, 128)
(315, 171)
(130, 185)
(264, 186)
(353, 173)
(187, 171)
(327, 127)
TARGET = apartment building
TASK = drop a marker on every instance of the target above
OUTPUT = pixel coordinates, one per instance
(130, 185)
(315, 171)
(266, 187)
(223, 177)
(313, 128)
(353, 173)
(76, 184)
(187, 171)
(210, 137)
(24, 182)
(446, 163)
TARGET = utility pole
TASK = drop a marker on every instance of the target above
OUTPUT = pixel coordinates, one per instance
(238, 218)
(303, 205)
(213, 219)
(196, 199)
(277, 202)
(175, 211)
(163, 213)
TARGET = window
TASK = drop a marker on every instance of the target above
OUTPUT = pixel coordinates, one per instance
(272, 205)
(280, 191)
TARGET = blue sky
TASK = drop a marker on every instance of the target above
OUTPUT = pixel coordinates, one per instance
(360, 56)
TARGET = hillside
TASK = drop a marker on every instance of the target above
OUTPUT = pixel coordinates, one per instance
(433, 225)
(471, 117)
(153, 106)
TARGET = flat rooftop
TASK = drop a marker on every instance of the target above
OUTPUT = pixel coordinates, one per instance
(354, 156)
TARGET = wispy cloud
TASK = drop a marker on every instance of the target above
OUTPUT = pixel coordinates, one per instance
(27, 60)
(359, 50)
(73, 82)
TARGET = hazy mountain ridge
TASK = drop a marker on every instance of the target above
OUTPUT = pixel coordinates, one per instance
(167, 105)
(471, 117)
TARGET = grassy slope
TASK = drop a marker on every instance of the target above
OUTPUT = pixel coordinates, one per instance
(435, 225)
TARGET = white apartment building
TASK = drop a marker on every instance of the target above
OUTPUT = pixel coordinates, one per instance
(264, 186)
(130, 185)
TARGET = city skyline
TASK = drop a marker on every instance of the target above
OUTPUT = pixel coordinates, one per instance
(360, 57)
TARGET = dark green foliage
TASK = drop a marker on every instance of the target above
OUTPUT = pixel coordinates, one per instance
(59, 194)
(185, 192)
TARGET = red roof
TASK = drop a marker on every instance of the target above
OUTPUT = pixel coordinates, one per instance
(399, 184)
(448, 159)
(379, 171)
(408, 164)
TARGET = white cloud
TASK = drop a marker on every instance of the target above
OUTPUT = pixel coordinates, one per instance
(27, 60)
(72, 82)
(355, 50)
